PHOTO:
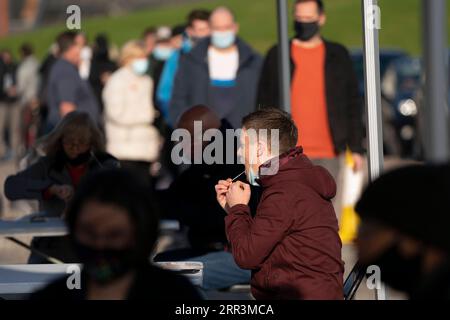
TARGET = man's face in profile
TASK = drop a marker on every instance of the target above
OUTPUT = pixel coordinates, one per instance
(73, 54)
(248, 150)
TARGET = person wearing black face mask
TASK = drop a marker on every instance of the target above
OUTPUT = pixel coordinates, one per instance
(113, 226)
(72, 150)
(404, 230)
(305, 31)
(324, 94)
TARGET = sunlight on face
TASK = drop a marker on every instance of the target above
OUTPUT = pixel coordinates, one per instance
(248, 150)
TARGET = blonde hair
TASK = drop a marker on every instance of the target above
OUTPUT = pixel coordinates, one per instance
(78, 124)
(132, 49)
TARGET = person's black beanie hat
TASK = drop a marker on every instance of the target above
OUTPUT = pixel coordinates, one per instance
(414, 200)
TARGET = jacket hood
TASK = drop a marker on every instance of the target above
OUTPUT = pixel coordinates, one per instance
(294, 166)
(199, 53)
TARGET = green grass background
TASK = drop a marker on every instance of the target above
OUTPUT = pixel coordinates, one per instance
(400, 19)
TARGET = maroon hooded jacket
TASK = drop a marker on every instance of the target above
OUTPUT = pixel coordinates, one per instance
(292, 244)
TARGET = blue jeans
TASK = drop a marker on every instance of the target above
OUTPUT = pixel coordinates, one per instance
(220, 271)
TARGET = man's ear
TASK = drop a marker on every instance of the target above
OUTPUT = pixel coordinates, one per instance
(261, 149)
(322, 19)
(236, 27)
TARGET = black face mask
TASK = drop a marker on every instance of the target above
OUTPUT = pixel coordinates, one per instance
(80, 159)
(304, 31)
(398, 272)
(104, 266)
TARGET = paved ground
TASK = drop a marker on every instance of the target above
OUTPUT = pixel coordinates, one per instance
(10, 253)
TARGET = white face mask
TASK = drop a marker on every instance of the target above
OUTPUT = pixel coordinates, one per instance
(140, 66)
(86, 53)
(223, 39)
(252, 177)
(162, 53)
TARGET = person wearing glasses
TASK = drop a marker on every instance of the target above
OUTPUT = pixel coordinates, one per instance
(73, 149)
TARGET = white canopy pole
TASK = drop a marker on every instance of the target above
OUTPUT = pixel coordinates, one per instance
(284, 60)
(371, 13)
(371, 23)
(436, 82)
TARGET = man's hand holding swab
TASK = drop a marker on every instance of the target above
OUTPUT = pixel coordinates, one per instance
(221, 192)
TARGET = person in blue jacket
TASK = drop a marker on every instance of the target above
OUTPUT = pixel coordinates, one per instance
(197, 28)
(222, 72)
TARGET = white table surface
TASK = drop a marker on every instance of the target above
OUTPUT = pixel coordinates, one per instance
(53, 227)
(26, 278)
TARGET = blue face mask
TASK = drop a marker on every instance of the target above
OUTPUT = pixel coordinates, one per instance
(252, 176)
(162, 53)
(223, 40)
(140, 66)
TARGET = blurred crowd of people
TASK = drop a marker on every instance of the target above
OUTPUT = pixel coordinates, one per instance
(86, 111)
(138, 96)
(91, 110)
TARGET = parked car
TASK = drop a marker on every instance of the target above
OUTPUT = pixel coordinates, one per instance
(386, 58)
(420, 121)
(400, 84)
(400, 80)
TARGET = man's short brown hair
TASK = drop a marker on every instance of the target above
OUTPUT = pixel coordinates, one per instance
(202, 15)
(66, 40)
(274, 119)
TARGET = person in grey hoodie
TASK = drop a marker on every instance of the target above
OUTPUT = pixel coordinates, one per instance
(222, 72)
(72, 150)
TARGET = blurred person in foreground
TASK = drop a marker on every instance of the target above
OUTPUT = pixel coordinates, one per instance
(291, 243)
(67, 91)
(113, 227)
(196, 30)
(221, 72)
(196, 206)
(129, 112)
(326, 106)
(72, 150)
(404, 230)
(8, 102)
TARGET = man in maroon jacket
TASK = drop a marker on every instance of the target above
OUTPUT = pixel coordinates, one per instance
(291, 244)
